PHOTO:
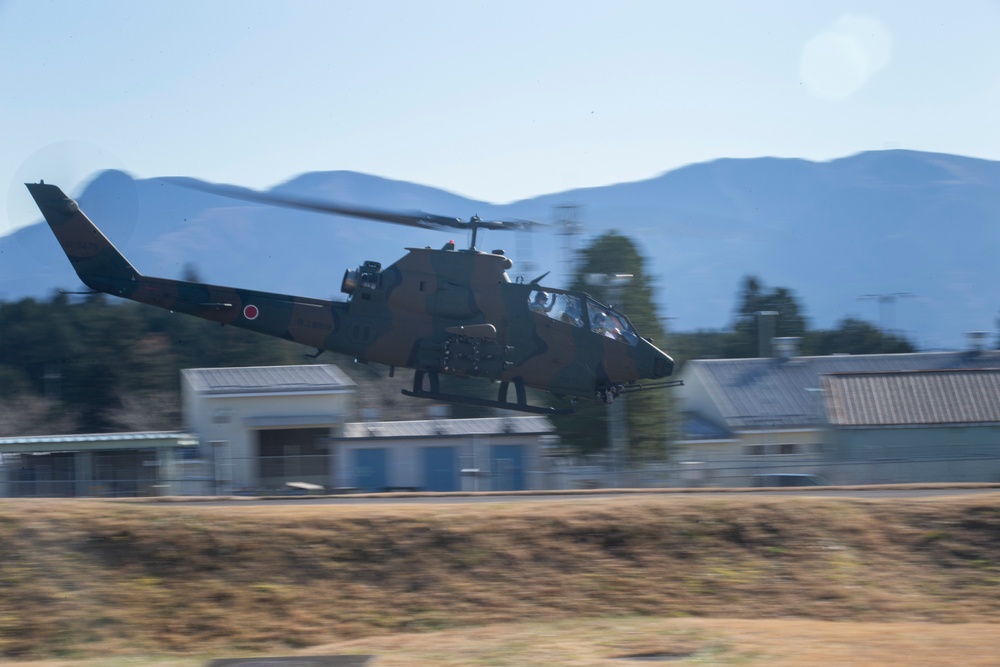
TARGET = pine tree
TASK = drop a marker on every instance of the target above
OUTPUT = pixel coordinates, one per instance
(649, 413)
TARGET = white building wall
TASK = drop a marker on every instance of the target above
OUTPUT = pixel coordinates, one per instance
(226, 425)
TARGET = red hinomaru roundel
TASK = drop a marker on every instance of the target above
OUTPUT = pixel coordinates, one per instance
(251, 312)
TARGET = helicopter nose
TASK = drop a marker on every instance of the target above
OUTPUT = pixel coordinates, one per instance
(663, 366)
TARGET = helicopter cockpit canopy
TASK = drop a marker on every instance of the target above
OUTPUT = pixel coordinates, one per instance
(571, 308)
(557, 306)
(610, 323)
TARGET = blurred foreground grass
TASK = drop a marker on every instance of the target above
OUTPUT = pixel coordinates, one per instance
(744, 580)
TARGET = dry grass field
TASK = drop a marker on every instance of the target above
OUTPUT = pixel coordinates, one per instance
(740, 580)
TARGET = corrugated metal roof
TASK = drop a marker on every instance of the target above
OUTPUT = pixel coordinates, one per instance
(913, 398)
(290, 421)
(99, 437)
(96, 441)
(784, 393)
(448, 427)
(696, 427)
(268, 379)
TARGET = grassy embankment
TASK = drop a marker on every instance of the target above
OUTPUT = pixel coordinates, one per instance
(583, 581)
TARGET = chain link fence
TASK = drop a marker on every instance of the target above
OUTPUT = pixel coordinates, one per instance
(26, 476)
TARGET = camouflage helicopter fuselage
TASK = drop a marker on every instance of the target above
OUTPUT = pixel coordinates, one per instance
(437, 311)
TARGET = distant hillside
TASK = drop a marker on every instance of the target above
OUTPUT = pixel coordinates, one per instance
(880, 222)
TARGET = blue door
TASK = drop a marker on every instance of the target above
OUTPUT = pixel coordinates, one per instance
(440, 469)
(507, 467)
(369, 469)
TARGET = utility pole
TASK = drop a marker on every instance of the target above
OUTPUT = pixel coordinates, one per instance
(569, 226)
(887, 309)
(766, 323)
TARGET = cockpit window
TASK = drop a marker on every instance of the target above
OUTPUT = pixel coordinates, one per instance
(610, 324)
(557, 306)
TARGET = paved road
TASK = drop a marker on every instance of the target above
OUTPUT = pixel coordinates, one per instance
(404, 498)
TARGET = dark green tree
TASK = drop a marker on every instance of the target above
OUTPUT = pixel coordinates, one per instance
(649, 413)
(111, 365)
(754, 300)
(853, 336)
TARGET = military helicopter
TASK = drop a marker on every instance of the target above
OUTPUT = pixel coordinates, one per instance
(443, 311)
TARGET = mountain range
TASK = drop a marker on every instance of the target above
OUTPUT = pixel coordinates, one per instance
(909, 241)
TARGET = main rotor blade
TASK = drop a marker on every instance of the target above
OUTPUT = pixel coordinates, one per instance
(414, 219)
(411, 219)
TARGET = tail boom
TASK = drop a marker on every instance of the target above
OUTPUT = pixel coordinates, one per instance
(312, 322)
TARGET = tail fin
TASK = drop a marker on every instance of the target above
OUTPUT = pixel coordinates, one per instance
(97, 262)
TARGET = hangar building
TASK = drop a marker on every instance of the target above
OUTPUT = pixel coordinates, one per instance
(263, 427)
(861, 419)
(491, 454)
(266, 430)
(100, 464)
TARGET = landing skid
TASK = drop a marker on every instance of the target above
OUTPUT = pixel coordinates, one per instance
(522, 405)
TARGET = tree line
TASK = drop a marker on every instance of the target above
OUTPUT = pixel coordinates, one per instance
(786, 320)
(91, 366)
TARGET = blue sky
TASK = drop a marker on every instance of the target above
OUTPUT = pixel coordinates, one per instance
(497, 101)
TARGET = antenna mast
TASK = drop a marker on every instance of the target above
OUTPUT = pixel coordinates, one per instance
(569, 226)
